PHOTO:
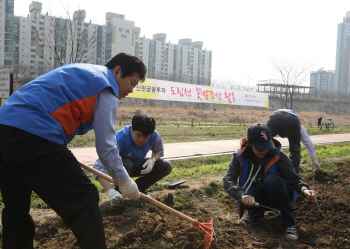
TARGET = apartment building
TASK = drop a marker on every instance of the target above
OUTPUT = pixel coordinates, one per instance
(321, 81)
(38, 43)
(342, 77)
(8, 36)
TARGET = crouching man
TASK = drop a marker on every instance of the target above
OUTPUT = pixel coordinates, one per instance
(134, 142)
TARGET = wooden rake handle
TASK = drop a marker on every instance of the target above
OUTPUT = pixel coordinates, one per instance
(143, 196)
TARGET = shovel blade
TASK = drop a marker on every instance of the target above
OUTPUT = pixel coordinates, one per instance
(177, 183)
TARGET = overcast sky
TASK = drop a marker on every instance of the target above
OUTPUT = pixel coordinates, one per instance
(244, 36)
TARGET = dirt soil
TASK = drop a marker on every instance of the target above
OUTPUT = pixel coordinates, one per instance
(325, 225)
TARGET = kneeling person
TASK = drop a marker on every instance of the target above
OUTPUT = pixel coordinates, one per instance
(134, 142)
(260, 172)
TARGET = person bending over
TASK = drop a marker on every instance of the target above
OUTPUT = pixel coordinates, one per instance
(286, 123)
(36, 124)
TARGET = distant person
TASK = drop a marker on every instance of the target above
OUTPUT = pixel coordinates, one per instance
(266, 176)
(319, 121)
(286, 123)
(36, 124)
(134, 142)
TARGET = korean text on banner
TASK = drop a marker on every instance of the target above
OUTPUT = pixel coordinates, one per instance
(175, 91)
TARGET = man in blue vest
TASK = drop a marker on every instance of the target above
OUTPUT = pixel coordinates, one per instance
(286, 123)
(36, 124)
(134, 142)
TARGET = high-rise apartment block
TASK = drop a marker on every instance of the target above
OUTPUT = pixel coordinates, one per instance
(38, 43)
(342, 77)
(321, 81)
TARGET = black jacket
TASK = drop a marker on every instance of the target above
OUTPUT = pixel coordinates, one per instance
(285, 168)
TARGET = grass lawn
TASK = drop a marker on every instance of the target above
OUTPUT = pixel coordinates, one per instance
(175, 131)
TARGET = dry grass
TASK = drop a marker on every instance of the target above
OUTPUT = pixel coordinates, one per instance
(226, 116)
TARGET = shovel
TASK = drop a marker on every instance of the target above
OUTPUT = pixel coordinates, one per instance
(206, 227)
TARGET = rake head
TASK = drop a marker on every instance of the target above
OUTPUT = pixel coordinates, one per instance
(208, 232)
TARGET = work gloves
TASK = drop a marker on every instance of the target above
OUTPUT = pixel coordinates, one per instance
(114, 196)
(148, 166)
(129, 189)
(315, 165)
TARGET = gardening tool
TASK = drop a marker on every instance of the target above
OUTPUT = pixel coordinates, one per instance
(177, 183)
(206, 227)
(272, 209)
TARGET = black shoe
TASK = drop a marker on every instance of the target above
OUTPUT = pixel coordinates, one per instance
(249, 221)
(291, 233)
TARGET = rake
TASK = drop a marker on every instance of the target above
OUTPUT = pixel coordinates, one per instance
(206, 227)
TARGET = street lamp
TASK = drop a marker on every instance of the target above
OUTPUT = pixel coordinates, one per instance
(248, 79)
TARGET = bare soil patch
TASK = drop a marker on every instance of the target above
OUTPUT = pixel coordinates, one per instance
(146, 226)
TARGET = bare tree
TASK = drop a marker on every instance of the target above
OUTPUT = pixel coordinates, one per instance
(41, 69)
(68, 40)
(21, 70)
(291, 74)
(228, 84)
(171, 77)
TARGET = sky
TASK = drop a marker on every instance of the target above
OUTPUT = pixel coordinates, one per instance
(245, 37)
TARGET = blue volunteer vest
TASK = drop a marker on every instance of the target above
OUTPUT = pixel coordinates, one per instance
(60, 104)
(129, 149)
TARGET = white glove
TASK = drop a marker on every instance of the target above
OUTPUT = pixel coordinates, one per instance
(315, 164)
(148, 166)
(129, 189)
(114, 196)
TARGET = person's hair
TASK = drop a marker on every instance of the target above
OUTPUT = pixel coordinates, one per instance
(246, 150)
(129, 65)
(143, 123)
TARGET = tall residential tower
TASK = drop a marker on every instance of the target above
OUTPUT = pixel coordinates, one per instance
(342, 77)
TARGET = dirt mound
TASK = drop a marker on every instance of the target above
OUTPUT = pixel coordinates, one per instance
(140, 225)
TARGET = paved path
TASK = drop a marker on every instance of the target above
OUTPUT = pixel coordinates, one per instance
(190, 149)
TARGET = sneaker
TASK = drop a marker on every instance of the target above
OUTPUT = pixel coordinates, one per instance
(249, 221)
(291, 233)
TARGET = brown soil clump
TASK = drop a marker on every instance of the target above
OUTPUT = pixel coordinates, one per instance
(140, 225)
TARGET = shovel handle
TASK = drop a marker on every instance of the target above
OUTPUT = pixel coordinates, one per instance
(143, 196)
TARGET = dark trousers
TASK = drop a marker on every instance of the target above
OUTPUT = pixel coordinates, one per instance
(30, 163)
(276, 194)
(289, 125)
(161, 169)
